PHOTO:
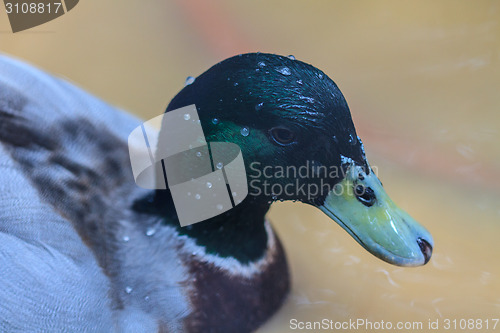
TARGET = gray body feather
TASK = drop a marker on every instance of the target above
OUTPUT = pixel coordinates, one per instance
(63, 155)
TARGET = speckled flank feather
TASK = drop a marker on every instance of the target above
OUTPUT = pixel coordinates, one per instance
(65, 166)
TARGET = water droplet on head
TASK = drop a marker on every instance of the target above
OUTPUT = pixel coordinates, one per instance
(198, 154)
(197, 196)
(307, 99)
(320, 76)
(299, 81)
(291, 57)
(215, 121)
(245, 131)
(235, 84)
(187, 116)
(219, 207)
(352, 139)
(274, 197)
(259, 106)
(189, 80)
(128, 289)
(126, 238)
(284, 70)
(219, 165)
(146, 298)
(261, 64)
(209, 184)
(150, 232)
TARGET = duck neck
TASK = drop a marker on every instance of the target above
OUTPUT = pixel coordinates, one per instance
(239, 233)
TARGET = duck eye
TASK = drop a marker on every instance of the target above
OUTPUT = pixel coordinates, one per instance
(365, 195)
(282, 136)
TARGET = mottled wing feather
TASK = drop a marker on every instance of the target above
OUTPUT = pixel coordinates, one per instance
(63, 159)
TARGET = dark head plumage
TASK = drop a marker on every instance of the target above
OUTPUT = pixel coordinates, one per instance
(261, 92)
(298, 141)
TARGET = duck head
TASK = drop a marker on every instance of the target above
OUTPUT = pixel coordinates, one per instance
(298, 141)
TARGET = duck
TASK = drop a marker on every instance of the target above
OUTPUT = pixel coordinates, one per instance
(83, 248)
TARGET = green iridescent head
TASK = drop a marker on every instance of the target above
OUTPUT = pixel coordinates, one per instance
(298, 141)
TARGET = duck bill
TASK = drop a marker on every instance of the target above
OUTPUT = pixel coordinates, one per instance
(375, 222)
